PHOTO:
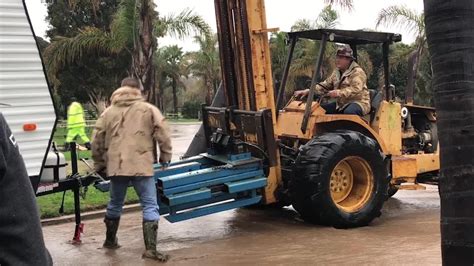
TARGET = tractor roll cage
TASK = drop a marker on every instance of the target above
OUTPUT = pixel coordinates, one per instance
(352, 38)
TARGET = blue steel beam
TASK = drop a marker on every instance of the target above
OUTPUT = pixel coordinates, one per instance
(216, 197)
(204, 174)
(247, 184)
(234, 160)
(212, 182)
(178, 169)
(189, 196)
(199, 158)
(212, 209)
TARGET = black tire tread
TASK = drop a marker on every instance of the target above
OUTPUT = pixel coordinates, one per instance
(309, 190)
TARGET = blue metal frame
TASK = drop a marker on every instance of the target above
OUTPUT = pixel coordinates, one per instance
(213, 209)
(190, 196)
(245, 185)
(207, 184)
(203, 175)
(212, 182)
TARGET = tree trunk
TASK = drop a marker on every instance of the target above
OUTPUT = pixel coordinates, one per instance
(450, 34)
(144, 46)
(209, 89)
(413, 63)
(175, 96)
(158, 96)
(162, 103)
(98, 101)
(215, 86)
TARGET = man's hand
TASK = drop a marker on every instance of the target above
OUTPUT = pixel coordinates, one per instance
(334, 94)
(301, 93)
(102, 173)
(164, 165)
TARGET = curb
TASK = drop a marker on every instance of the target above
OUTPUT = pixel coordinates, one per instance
(85, 216)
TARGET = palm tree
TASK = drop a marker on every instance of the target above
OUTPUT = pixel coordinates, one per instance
(278, 53)
(160, 62)
(307, 50)
(326, 19)
(412, 21)
(134, 29)
(169, 60)
(205, 64)
(449, 33)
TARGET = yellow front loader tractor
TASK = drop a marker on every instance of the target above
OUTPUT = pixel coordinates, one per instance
(335, 170)
(340, 169)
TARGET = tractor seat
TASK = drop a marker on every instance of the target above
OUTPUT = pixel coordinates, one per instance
(375, 100)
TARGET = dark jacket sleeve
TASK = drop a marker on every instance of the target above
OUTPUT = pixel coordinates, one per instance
(21, 238)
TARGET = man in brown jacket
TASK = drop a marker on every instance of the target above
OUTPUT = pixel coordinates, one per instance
(123, 147)
(347, 85)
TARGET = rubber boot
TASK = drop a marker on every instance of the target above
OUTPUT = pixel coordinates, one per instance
(150, 233)
(111, 240)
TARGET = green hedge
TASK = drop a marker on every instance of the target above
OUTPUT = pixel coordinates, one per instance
(191, 110)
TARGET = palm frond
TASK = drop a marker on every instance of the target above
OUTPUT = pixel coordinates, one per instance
(124, 25)
(301, 67)
(399, 56)
(182, 25)
(403, 17)
(205, 62)
(327, 19)
(279, 51)
(345, 4)
(169, 62)
(64, 51)
(302, 24)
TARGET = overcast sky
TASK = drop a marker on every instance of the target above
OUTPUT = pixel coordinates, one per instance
(281, 14)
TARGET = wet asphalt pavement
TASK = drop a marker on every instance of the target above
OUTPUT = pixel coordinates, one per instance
(407, 233)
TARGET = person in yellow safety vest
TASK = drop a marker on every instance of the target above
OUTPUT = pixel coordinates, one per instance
(76, 124)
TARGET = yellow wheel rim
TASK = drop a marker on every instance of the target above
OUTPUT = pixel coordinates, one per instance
(351, 183)
(341, 181)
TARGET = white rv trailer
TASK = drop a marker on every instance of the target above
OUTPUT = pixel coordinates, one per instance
(25, 99)
(27, 105)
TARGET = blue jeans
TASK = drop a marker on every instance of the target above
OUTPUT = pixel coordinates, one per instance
(146, 191)
(350, 109)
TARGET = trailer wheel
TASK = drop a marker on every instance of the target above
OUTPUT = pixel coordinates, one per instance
(340, 179)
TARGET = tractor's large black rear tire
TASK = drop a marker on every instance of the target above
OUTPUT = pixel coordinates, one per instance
(319, 191)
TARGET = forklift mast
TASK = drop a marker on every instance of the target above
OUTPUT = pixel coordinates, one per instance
(245, 54)
(250, 115)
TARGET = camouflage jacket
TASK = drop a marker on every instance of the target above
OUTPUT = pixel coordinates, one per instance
(125, 133)
(352, 87)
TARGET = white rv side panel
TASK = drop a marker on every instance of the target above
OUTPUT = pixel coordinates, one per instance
(24, 94)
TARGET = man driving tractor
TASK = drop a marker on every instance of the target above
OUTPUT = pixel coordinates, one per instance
(347, 84)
